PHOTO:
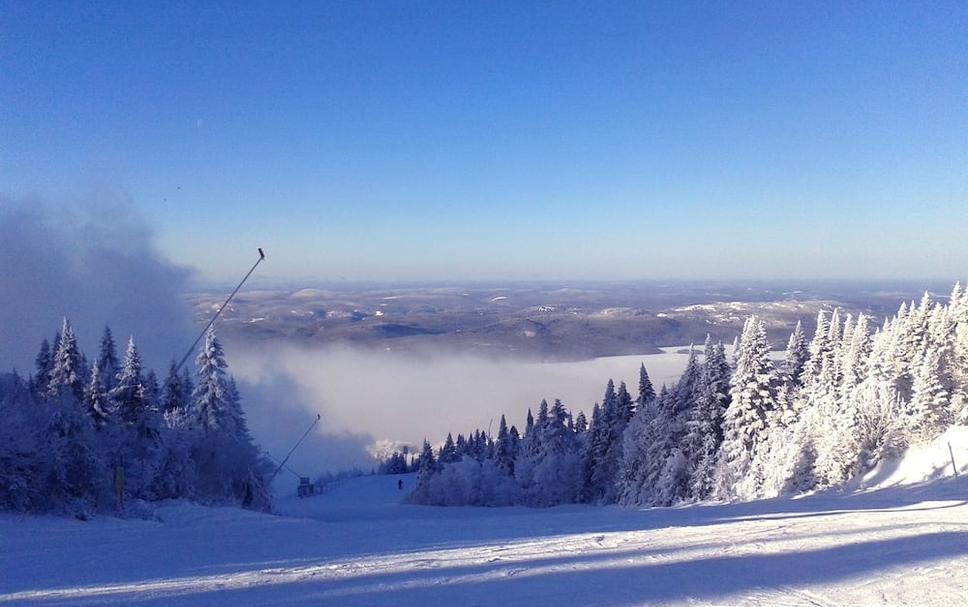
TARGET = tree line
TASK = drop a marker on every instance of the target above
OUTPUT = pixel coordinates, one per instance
(738, 425)
(80, 436)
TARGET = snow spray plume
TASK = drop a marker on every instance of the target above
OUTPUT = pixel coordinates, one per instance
(278, 412)
(94, 262)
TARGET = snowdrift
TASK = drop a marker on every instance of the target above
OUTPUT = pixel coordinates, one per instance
(921, 463)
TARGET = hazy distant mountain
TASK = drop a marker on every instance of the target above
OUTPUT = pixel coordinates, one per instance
(549, 321)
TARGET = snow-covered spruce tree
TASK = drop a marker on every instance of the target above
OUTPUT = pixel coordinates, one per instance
(820, 349)
(67, 370)
(879, 430)
(928, 414)
(531, 454)
(138, 428)
(43, 364)
(175, 398)
(669, 456)
(209, 408)
(426, 469)
(604, 455)
(636, 442)
(753, 389)
(593, 449)
(514, 440)
(959, 355)
(504, 449)
(448, 452)
(227, 463)
(107, 360)
(612, 468)
(798, 354)
(128, 395)
(705, 427)
(646, 390)
(835, 414)
(96, 397)
(854, 355)
(556, 469)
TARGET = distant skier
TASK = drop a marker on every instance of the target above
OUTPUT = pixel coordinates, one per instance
(400, 485)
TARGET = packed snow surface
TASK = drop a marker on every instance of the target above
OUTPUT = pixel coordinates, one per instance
(358, 545)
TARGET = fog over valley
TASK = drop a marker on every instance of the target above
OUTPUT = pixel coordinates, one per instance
(409, 396)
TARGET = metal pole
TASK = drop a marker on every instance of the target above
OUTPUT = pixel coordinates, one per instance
(214, 318)
(953, 465)
(288, 469)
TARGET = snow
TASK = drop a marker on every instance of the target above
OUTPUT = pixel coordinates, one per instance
(359, 545)
(922, 463)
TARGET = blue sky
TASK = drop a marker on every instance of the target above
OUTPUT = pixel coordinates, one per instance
(458, 140)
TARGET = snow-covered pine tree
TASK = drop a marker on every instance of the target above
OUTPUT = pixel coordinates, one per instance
(646, 390)
(227, 463)
(175, 398)
(108, 359)
(624, 406)
(128, 396)
(819, 349)
(43, 365)
(96, 398)
(139, 442)
(608, 449)
(856, 351)
(668, 459)
(928, 412)
(448, 452)
(592, 452)
(636, 441)
(504, 450)
(557, 465)
(209, 408)
(67, 366)
(797, 355)
(753, 396)
(542, 419)
(705, 428)
(426, 469)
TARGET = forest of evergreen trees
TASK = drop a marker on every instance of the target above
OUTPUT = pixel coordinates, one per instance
(737, 426)
(77, 435)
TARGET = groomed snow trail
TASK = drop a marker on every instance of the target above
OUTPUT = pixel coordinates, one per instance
(358, 545)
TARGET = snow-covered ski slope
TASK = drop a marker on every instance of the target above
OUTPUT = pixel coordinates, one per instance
(358, 545)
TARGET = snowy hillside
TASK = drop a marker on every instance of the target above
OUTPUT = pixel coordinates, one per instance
(921, 463)
(357, 545)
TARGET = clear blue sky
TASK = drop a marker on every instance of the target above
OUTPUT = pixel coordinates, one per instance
(505, 140)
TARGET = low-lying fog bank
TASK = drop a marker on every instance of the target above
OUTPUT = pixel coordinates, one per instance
(366, 395)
